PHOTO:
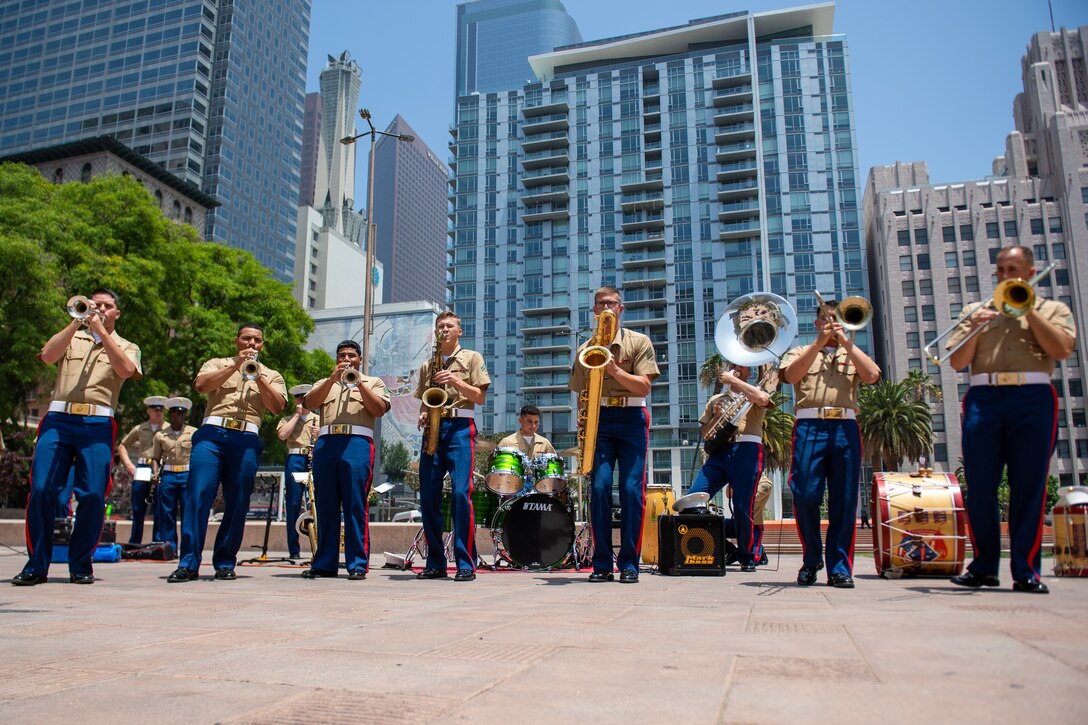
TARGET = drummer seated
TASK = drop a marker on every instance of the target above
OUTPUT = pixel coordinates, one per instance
(531, 444)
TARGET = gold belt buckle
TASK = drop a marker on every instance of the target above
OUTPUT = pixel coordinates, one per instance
(1009, 379)
(306, 450)
(340, 429)
(79, 408)
(448, 413)
(616, 401)
(232, 424)
(832, 414)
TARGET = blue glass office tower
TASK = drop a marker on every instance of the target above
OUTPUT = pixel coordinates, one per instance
(211, 89)
(496, 37)
(685, 166)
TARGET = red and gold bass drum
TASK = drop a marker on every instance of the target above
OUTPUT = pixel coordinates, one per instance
(1070, 539)
(919, 524)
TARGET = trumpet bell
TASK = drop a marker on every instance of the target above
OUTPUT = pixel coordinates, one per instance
(79, 307)
(854, 313)
(350, 377)
(755, 329)
(1014, 297)
(251, 370)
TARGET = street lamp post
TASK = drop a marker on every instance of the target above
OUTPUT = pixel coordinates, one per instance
(368, 303)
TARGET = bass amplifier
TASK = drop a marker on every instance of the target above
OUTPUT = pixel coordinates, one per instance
(691, 545)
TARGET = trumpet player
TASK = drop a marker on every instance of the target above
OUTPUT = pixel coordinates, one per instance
(134, 450)
(343, 466)
(463, 376)
(171, 449)
(226, 449)
(299, 432)
(1010, 415)
(77, 431)
(739, 463)
(827, 444)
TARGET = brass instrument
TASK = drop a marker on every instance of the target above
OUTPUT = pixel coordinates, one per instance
(251, 369)
(306, 524)
(853, 313)
(435, 399)
(80, 308)
(594, 357)
(755, 329)
(350, 377)
(1012, 298)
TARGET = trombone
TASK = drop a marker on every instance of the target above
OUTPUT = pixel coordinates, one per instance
(1012, 298)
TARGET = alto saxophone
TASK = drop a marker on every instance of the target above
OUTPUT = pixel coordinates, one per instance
(435, 399)
(594, 357)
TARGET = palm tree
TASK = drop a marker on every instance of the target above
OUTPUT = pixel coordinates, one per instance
(777, 435)
(713, 367)
(922, 386)
(894, 423)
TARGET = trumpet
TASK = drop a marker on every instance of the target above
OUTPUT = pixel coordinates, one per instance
(853, 313)
(1012, 298)
(80, 308)
(251, 369)
(350, 377)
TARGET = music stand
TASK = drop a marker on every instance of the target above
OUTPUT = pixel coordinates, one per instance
(264, 558)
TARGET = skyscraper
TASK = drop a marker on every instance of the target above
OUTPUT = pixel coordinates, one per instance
(686, 166)
(410, 213)
(496, 37)
(211, 89)
(932, 246)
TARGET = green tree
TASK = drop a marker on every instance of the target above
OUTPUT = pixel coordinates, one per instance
(777, 435)
(711, 368)
(395, 460)
(894, 424)
(922, 386)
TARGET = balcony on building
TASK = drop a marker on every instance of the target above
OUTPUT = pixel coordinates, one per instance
(651, 201)
(652, 131)
(545, 212)
(560, 193)
(739, 229)
(644, 277)
(553, 140)
(547, 157)
(538, 344)
(555, 305)
(646, 297)
(452, 162)
(550, 176)
(634, 182)
(734, 190)
(733, 132)
(644, 258)
(733, 95)
(651, 111)
(643, 220)
(739, 209)
(733, 170)
(544, 123)
(734, 151)
(734, 114)
(643, 240)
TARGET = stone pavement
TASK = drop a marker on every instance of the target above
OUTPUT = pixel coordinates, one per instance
(537, 647)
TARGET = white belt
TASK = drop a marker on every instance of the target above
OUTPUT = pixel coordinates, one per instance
(231, 424)
(748, 438)
(826, 413)
(343, 429)
(458, 413)
(298, 451)
(175, 469)
(59, 406)
(622, 401)
(143, 461)
(1010, 379)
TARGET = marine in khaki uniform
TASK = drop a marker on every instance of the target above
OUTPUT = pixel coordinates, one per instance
(827, 444)
(531, 444)
(622, 441)
(344, 463)
(226, 449)
(299, 432)
(1010, 417)
(135, 454)
(465, 379)
(77, 431)
(171, 449)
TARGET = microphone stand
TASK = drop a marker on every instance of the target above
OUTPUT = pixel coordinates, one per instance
(264, 558)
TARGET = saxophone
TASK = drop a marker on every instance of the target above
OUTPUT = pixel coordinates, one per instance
(435, 399)
(594, 357)
(730, 409)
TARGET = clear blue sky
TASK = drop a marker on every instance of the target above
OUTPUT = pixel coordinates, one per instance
(933, 80)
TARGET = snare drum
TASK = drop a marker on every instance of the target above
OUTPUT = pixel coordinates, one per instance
(919, 524)
(659, 501)
(549, 474)
(509, 467)
(1070, 539)
(535, 531)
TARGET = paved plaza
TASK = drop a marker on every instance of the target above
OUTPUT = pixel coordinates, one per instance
(537, 647)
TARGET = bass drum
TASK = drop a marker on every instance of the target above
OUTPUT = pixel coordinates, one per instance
(1070, 537)
(535, 531)
(919, 524)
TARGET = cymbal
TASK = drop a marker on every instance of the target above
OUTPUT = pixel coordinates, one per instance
(486, 446)
(566, 452)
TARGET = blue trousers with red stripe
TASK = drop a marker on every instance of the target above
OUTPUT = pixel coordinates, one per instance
(343, 468)
(1013, 427)
(622, 439)
(139, 507)
(168, 495)
(64, 441)
(292, 499)
(740, 465)
(826, 454)
(219, 456)
(456, 445)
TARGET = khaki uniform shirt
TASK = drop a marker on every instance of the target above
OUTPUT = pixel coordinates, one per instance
(467, 365)
(831, 380)
(172, 448)
(85, 374)
(342, 406)
(139, 441)
(633, 353)
(1008, 344)
(237, 398)
(751, 423)
(539, 446)
(302, 433)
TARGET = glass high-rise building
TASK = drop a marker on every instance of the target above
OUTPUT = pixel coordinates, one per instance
(212, 90)
(685, 166)
(496, 37)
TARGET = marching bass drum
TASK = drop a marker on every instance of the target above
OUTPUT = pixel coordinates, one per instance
(919, 524)
(534, 531)
(1070, 539)
(659, 501)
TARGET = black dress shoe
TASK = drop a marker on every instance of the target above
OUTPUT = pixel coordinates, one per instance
(806, 576)
(225, 574)
(26, 579)
(600, 575)
(750, 566)
(87, 578)
(355, 575)
(840, 581)
(763, 559)
(1030, 585)
(181, 574)
(628, 576)
(464, 575)
(317, 574)
(432, 574)
(973, 580)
